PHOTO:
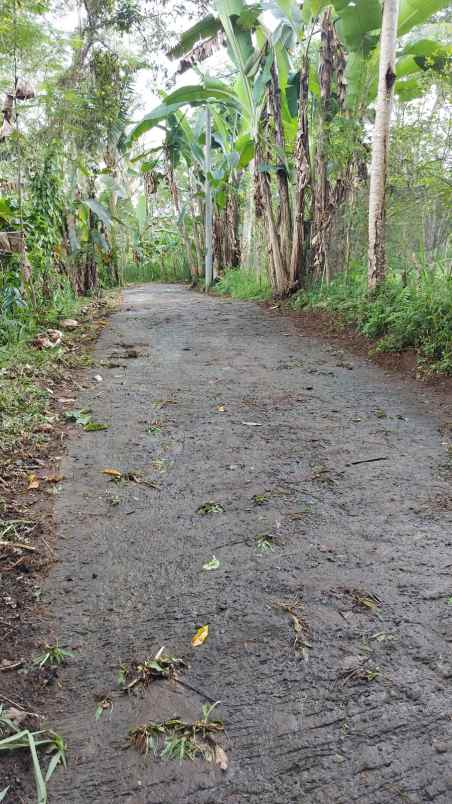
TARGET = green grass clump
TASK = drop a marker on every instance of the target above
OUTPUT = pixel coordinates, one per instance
(243, 284)
(414, 314)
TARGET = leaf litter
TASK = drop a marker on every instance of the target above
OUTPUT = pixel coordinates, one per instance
(302, 639)
(160, 666)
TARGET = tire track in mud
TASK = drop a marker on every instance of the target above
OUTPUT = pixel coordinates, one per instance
(363, 713)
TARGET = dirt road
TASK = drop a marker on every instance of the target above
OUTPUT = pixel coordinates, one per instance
(331, 475)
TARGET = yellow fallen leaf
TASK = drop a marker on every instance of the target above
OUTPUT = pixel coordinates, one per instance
(112, 472)
(220, 408)
(200, 636)
(33, 482)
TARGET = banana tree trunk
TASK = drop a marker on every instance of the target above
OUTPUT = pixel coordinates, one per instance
(285, 213)
(209, 205)
(322, 188)
(380, 145)
(298, 255)
(176, 203)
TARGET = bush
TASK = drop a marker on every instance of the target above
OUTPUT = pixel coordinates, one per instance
(416, 315)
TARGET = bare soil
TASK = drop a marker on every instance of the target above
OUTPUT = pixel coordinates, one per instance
(330, 652)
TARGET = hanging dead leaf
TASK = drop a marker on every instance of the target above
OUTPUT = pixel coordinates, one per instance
(200, 636)
(33, 482)
(112, 473)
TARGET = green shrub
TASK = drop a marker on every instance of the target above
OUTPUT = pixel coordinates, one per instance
(243, 284)
(416, 314)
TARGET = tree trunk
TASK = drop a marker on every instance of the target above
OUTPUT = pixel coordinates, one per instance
(285, 213)
(298, 257)
(322, 188)
(231, 220)
(380, 145)
(175, 196)
(209, 207)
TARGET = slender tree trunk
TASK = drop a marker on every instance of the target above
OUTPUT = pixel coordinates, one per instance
(298, 256)
(209, 208)
(380, 145)
(249, 222)
(285, 213)
(231, 234)
(197, 238)
(175, 196)
(322, 188)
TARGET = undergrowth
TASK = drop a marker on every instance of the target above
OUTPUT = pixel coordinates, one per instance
(171, 269)
(416, 314)
(28, 373)
(244, 284)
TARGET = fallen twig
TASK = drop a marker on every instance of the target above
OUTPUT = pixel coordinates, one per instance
(367, 460)
(19, 545)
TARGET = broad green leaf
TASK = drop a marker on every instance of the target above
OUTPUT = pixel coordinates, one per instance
(152, 119)
(100, 211)
(263, 78)
(408, 89)
(202, 30)
(246, 148)
(357, 21)
(415, 12)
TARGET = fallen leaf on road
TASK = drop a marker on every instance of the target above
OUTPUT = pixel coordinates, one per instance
(200, 636)
(221, 758)
(33, 482)
(220, 408)
(54, 478)
(93, 427)
(112, 473)
(253, 424)
(213, 564)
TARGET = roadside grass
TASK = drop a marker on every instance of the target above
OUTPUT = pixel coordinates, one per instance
(27, 373)
(13, 737)
(243, 284)
(415, 313)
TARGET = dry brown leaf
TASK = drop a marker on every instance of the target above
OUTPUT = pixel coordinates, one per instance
(112, 472)
(221, 758)
(200, 636)
(69, 323)
(54, 478)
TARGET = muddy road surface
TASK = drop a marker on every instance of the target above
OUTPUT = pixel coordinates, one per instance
(329, 614)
